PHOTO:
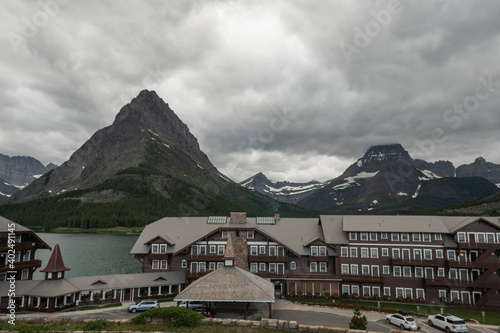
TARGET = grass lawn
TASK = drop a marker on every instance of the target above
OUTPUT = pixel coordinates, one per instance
(491, 318)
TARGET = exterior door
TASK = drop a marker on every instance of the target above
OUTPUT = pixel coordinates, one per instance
(194, 268)
(281, 268)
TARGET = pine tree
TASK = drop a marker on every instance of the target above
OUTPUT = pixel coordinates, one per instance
(358, 322)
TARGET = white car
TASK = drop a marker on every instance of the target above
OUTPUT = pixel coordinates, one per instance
(448, 323)
(403, 320)
(144, 305)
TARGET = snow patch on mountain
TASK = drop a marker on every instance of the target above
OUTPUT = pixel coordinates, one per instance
(351, 181)
(428, 175)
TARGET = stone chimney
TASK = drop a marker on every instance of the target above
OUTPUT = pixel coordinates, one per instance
(237, 249)
(238, 217)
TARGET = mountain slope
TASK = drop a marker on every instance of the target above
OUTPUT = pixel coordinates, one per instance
(144, 166)
(481, 168)
(284, 191)
(387, 180)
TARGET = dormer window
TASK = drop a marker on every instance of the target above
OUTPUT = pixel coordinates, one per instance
(352, 236)
(364, 236)
(163, 248)
(322, 251)
(155, 248)
(250, 234)
(314, 250)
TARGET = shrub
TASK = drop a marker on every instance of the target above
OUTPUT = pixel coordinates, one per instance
(96, 325)
(358, 322)
(178, 316)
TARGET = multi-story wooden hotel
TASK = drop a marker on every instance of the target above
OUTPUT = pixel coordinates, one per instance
(428, 259)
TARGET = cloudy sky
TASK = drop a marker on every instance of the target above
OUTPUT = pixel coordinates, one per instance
(296, 89)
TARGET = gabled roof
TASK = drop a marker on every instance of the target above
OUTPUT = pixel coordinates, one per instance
(164, 237)
(455, 223)
(4, 227)
(229, 284)
(332, 226)
(56, 263)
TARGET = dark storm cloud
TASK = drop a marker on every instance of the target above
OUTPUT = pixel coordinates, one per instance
(297, 90)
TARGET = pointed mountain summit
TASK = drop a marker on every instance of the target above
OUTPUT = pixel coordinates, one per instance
(144, 166)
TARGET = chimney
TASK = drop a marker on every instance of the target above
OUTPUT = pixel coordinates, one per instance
(238, 217)
(276, 217)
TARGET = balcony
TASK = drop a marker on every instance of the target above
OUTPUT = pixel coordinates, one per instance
(472, 264)
(23, 265)
(446, 282)
(318, 258)
(419, 262)
(204, 257)
(362, 278)
(18, 246)
(474, 245)
(266, 258)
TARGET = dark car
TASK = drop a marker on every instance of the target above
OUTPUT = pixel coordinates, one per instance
(144, 305)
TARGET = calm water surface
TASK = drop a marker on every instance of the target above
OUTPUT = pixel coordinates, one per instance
(91, 254)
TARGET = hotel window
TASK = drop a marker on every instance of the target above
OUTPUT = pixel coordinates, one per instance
(202, 267)
(416, 237)
(25, 274)
(417, 254)
(223, 234)
(375, 271)
(396, 270)
(480, 238)
(322, 267)
(454, 296)
(262, 250)
(490, 238)
(408, 292)
(156, 264)
(387, 291)
(163, 264)
(429, 273)
(406, 271)
(184, 263)
(420, 293)
(262, 266)
(293, 265)
(154, 248)
(211, 266)
(344, 268)
(385, 252)
(406, 254)
(464, 275)
(221, 249)
(461, 237)
(365, 270)
(18, 238)
(376, 291)
(364, 252)
(366, 290)
(354, 252)
(346, 289)
(451, 255)
(373, 236)
(354, 269)
(438, 237)
(353, 236)
(386, 269)
(163, 248)
(426, 237)
(427, 254)
(440, 272)
(399, 292)
(213, 249)
(220, 264)
(363, 236)
(313, 267)
(253, 267)
(202, 249)
(419, 272)
(439, 254)
(18, 256)
(344, 252)
(453, 274)
(27, 255)
(374, 252)
(355, 290)
(250, 234)
(272, 250)
(383, 235)
(253, 250)
(396, 254)
(314, 250)
(405, 237)
(442, 294)
(394, 236)
(322, 251)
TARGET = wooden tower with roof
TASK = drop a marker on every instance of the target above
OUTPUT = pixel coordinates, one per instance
(55, 267)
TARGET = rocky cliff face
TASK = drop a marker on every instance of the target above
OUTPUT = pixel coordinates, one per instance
(441, 168)
(481, 168)
(22, 170)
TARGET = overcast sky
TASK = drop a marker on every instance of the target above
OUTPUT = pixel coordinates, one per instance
(296, 89)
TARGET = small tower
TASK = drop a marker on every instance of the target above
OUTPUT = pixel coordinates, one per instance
(55, 267)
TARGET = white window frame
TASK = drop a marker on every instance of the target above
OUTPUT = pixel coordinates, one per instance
(374, 252)
(396, 271)
(365, 252)
(420, 293)
(262, 249)
(254, 250)
(365, 269)
(385, 252)
(262, 266)
(27, 255)
(363, 236)
(419, 272)
(386, 269)
(250, 234)
(427, 254)
(184, 263)
(223, 234)
(394, 236)
(293, 265)
(451, 254)
(253, 267)
(416, 237)
(25, 274)
(353, 235)
(426, 237)
(313, 266)
(442, 293)
(375, 270)
(202, 267)
(220, 264)
(383, 235)
(461, 237)
(354, 269)
(441, 272)
(438, 237)
(202, 250)
(155, 264)
(353, 252)
(221, 250)
(405, 237)
(406, 251)
(406, 271)
(439, 254)
(373, 236)
(322, 251)
(344, 268)
(346, 289)
(163, 248)
(212, 265)
(344, 252)
(427, 269)
(212, 249)
(396, 253)
(163, 264)
(323, 267)
(419, 256)
(387, 291)
(453, 274)
(155, 248)
(366, 290)
(314, 251)
(272, 251)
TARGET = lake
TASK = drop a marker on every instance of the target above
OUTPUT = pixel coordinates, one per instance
(91, 254)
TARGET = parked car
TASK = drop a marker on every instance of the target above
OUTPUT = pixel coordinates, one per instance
(448, 323)
(208, 312)
(192, 305)
(403, 320)
(144, 305)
